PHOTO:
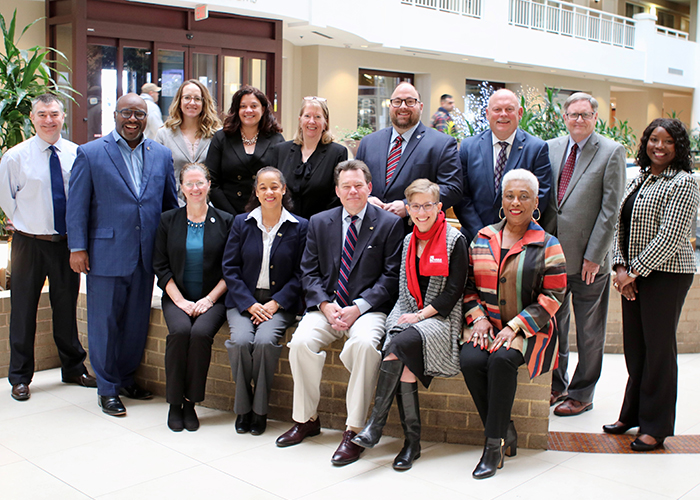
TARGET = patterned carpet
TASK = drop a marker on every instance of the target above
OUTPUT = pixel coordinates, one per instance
(606, 443)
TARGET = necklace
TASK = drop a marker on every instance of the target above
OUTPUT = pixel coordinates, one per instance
(249, 142)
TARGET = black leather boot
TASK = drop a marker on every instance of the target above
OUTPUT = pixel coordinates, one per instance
(511, 446)
(407, 398)
(387, 384)
(491, 459)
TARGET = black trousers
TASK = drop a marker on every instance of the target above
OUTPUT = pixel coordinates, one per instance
(492, 380)
(407, 345)
(649, 326)
(188, 350)
(32, 261)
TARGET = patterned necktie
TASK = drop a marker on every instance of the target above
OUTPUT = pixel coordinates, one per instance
(58, 193)
(394, 157)
(566, 173)
(345, 261)
(500, 166)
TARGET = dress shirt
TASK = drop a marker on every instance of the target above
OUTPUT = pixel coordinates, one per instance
(581, 143)
(133, 159)
(497, 148)
(406, 137)
(361, 303)
(267, 239)
(25, 183)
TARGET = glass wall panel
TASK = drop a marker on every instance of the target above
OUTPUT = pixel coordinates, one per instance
(373, 93)
(63, 37)
(257, 74)
(233, 72)
(136, 70)
(205, 69)
(171, 74)
(102, 89)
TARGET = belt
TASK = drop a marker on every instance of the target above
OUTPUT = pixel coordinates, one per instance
(55, 238)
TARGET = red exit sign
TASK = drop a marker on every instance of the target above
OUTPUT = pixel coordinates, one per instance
(201, 12)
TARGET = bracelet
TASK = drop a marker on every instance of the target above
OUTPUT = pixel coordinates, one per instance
(632, 274)
(420, 316)
(478, 319)
(210, 301)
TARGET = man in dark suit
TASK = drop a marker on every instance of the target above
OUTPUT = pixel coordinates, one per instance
(489, 155)
(119, 186)
(406, 151)
(350, 271)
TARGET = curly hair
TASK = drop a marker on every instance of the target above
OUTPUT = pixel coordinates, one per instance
(268, 123)
(326, 136)
(254, 202)
(208, 122)
(675, 128)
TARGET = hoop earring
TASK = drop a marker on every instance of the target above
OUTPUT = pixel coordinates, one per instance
(539, 214)
(501, 211)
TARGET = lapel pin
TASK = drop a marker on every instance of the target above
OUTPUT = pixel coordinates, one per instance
(279, 234)
(418, 137)
(213, 219)
(520, 147)
(371, 228)
(148, 148)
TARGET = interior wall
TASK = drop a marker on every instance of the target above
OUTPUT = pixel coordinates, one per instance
(629, 108)
(27, 11)
(682, 105)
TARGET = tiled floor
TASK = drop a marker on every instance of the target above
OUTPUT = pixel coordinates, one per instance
(59, 445)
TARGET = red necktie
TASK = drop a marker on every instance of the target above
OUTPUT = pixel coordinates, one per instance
(345, 261)
(500, 166)
(394, 157)
(566, 173)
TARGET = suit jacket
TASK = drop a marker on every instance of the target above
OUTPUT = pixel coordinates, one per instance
(317, 193)
(480, 205)
(177, 144)
(243, 259)
(106, 217)
(170, 252)
(233, 170)
(429, 154)
(584, 222)
(374, 271)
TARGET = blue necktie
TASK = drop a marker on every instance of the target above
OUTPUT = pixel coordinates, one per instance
(58, 192)
(345, 262)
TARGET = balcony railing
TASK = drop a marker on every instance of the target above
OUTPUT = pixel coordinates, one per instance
(567, 19)
(681, 35)
(471, 8)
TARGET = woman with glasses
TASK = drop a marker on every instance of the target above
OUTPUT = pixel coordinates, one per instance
(241, 148)
(309, 160)
(187, 261)
(425, 324)
(188, 130)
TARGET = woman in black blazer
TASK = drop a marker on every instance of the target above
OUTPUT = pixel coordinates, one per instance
(261, 267)
(187, 261)
(309, 160)
(241, 148)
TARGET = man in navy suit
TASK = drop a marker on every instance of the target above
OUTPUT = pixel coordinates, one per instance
(408, 150)
(119, 186)
(350, 273)
(487, 156)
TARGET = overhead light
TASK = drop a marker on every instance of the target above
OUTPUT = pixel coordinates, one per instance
(323, 35)
(364, 46)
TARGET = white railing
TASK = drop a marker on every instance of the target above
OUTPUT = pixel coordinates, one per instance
(567, 19)
(682, 35)
(471, 8)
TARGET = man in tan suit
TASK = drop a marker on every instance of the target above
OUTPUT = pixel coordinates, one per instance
(589, 178)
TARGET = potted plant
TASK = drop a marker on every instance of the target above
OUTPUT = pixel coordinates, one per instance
(352, 138)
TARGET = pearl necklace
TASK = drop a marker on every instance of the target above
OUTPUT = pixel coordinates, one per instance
(249, 142)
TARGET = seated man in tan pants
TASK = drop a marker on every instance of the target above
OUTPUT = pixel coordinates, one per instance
(350, 272)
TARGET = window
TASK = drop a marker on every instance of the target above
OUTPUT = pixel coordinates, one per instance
(632, 8)
(665, 19)
(373, 93)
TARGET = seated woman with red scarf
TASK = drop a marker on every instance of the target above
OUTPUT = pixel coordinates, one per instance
(424, 326)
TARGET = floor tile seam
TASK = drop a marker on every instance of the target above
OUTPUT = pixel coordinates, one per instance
(71, 486)
(244, 481)
(515, 487)
(373, 469)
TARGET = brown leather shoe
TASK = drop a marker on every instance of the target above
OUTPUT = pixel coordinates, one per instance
(84, 379)
(556, 396)
(571, 407)
(21, 392)
(298, 432)
(348, 452)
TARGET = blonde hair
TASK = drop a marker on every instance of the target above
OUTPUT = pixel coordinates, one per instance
(326, 138)
(420, 186)
(207, 122)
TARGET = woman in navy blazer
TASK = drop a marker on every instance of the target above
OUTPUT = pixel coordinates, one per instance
(262, 271)
(187, 260)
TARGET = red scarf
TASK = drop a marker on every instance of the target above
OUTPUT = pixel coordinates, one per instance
(433, 262)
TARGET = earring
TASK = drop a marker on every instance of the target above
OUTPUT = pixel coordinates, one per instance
(501, 213)
(539, 214)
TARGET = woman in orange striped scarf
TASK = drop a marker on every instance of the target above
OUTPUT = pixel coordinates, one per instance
(517, 281)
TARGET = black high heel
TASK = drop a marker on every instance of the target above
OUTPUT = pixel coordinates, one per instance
(491, 459)
(616, 428)
(511, 445)
(639, 445)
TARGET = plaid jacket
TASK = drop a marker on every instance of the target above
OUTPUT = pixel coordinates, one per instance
(523, 292)
(661, 224)
(440, 120)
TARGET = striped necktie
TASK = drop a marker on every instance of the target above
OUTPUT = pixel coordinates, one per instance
(345, 262)
(394, 157)
(500, 166)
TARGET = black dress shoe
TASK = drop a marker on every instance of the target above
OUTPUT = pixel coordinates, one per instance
(175, 420)
(298, 432)
(617, 428)
(243, 422)
(84, 379)
(111, 405)
(258, 424)
(135, 391)
(190, 416)
(21, 392)
(639, 445)
(348, 452)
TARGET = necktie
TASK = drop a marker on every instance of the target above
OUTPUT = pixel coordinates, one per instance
(58, 192)
(345, 261)
(394, 157)
(566, 173)
(500, 166)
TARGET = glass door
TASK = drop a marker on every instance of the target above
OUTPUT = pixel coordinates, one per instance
(102, 88)
(171, 74)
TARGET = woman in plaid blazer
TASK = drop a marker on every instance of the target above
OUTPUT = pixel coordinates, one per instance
(654, 264)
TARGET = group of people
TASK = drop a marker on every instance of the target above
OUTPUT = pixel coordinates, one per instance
(239, 226)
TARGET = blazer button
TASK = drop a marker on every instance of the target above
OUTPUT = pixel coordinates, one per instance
(273, 283)
(272, 266)
(502, 280)
(138, 228)
(503, 302)
(239, 177)
(239, 193)
(559, 212)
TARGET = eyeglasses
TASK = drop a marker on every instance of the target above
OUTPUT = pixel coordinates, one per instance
(426, 207)
(315, 98)
(128, 113)
(574, 116)
(195, 98)
(410, 102)
(199, 184)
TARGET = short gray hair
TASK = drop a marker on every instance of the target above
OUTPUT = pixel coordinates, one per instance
(520, 174)
(581, 96)
(46, 99)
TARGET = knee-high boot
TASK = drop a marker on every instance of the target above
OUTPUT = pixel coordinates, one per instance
(407, 398)
(387, 384)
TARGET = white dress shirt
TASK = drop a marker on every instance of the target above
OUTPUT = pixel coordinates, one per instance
(406, 136)
(497, 147)
(25, 183)
(267, 238)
